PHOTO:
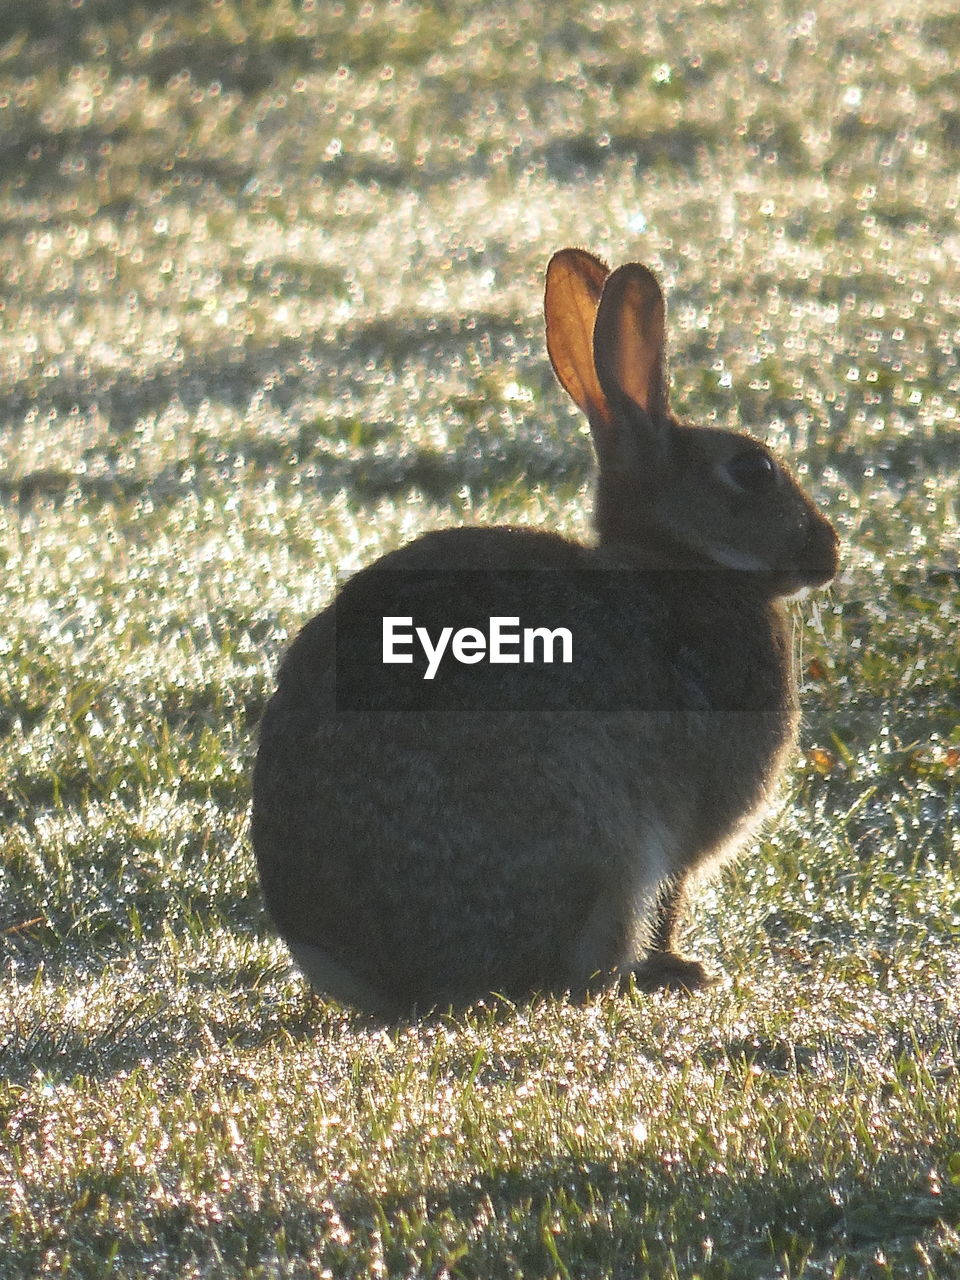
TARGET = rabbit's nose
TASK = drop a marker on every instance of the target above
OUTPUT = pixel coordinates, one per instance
(824, 548)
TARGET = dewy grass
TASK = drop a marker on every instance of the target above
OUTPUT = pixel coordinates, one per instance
(270, 284)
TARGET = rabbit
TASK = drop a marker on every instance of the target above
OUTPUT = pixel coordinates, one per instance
(512, 829)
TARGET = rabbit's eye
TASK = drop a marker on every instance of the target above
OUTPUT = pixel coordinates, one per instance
(752, 470)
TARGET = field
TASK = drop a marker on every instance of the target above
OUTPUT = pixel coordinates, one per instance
(270, 304)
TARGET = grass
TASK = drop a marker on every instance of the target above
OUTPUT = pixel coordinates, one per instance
(270, 285)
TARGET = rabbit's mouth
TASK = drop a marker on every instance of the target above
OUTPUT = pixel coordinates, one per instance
(795, 584)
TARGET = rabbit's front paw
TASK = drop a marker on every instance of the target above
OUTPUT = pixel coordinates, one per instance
(666, 971)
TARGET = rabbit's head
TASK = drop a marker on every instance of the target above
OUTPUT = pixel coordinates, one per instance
(675, 496)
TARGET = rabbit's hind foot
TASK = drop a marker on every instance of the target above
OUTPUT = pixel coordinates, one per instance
(666, 971)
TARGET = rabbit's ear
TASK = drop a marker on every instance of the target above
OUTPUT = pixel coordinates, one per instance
(628, 341)
(575, 281)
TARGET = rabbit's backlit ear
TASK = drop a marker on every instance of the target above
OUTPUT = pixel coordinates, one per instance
(574, 285)
(628, 339)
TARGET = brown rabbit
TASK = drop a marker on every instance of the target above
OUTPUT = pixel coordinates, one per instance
(517, 827)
